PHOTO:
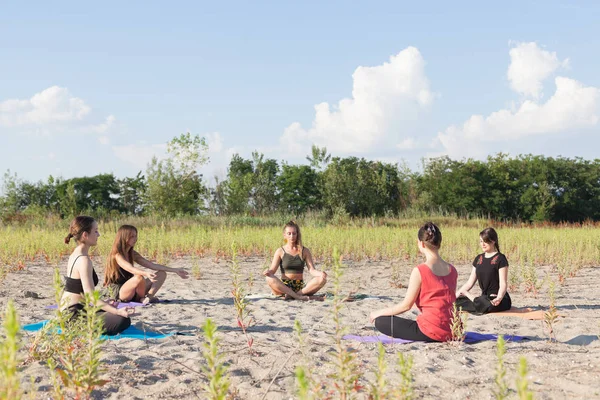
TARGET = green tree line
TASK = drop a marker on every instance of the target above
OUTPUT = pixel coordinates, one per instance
(525, 188)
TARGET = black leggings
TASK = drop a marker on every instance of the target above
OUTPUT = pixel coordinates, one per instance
(113, 324)
(401, 328)
(483, 305)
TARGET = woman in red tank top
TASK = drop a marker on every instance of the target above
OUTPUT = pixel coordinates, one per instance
(432, 288)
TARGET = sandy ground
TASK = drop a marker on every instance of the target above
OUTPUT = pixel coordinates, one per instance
(169, 368)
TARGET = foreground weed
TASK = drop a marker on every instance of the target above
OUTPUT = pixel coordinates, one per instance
(404, 391)
(522, 382)
(458, 325)
(243, 315)
(307, 386)
(347, 369)
(80, 368)
(551, 316)
(215, 370)
(501, 390)
(378, 388)
(302, 384)
(10, 388)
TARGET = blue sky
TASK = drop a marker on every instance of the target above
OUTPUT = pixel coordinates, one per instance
(94, 88)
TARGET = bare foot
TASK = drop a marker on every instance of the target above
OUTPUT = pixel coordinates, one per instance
(150, 300)
(303, 298)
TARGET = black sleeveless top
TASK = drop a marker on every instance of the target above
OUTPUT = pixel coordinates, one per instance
(74, 285)
(292, 264)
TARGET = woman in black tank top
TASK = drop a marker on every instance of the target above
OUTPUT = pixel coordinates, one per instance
(81, 278)
(291, 260)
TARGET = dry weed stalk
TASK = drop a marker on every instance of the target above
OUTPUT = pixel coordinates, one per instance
(243, 315)
(458, 325)
(395, 279)
(551, 316)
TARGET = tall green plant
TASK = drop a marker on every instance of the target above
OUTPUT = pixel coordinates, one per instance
(347, 370)
(10, 388)
(501, 390)
(215, 370)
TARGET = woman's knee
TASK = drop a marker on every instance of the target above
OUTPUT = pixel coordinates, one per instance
(115, 324)
(161, 275)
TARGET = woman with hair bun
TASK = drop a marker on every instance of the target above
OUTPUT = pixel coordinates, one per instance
(291, 259)
(490, 268)
(82, 278)
(431, 287)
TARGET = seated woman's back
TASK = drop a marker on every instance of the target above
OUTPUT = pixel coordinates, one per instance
(435, 299)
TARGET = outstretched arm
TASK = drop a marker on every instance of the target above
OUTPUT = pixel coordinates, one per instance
(157, 267)
(414, 287)
(129, 267)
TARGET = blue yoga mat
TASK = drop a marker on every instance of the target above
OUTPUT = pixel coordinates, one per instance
(132, 332)
(471, 337)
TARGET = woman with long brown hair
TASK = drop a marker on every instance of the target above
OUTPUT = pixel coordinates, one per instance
(490, 268)
(291, 258)
(128, 282)
(82, 278)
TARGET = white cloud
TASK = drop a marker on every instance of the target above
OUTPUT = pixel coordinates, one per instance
(214, 141)
(54, 105)
(573, 106)
(381, 96)
(407, 144)
(139, 155)
(105, 126)
(530, 66)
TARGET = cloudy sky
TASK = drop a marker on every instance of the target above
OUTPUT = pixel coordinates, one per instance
(93, 88)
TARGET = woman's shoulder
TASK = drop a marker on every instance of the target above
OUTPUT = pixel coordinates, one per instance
(79, 260)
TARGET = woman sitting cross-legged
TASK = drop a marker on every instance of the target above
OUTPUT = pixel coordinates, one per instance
(127, 282)
(291, 259)
(432, 288)
(490, 268)
(81, 278)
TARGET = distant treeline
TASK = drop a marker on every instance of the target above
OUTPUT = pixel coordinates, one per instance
(525, 188)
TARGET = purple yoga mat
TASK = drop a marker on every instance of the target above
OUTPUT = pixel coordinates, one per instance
(120, 305)
(471, 337)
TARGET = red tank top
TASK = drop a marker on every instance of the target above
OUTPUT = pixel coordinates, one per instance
(435, 300)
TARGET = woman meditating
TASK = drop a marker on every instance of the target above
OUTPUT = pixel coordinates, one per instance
(490, 268)
(431, 287)
(128, 282)
(291, 259)
(82, 278)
